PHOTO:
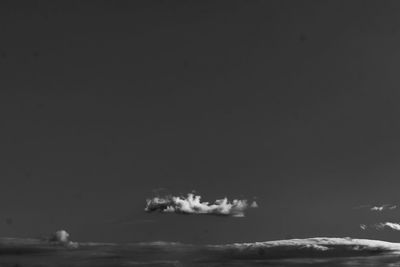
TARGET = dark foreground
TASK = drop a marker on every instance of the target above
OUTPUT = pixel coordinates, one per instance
(295, 252)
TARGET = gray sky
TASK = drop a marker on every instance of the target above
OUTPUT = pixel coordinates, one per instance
(292, 102)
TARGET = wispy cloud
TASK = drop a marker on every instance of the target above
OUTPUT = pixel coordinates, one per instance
(192, 205)
(382, 226)
(377, 207)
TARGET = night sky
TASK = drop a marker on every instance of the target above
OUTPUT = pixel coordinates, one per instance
(294, 103)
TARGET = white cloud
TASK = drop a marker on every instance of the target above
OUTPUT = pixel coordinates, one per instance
(254, 205)
(310, 247)
(62, 237)
(382, 226)
(192, 205)
(390, 225)
(383, 207)
(377, 207)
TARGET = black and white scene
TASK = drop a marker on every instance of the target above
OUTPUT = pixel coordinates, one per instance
(199, 133)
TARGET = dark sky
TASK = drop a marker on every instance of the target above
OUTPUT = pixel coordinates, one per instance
(293, 102)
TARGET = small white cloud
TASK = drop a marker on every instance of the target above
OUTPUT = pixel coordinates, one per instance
(254, 205)
(381, 226)
(390, 225)
(383, 207)
(61, 236)
(192, 205)
(378, 208)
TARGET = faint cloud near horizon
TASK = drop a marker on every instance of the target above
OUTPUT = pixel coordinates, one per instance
(377, 208)
(382, 226)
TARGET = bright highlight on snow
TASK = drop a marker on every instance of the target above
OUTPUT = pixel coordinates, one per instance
(192, 205)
